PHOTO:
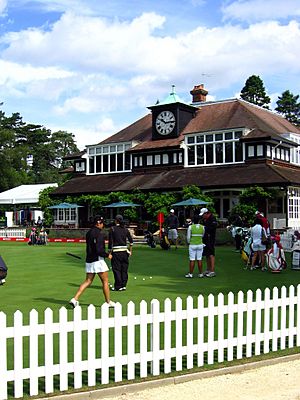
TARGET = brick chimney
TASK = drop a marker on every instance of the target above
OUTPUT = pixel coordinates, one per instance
(199, 93)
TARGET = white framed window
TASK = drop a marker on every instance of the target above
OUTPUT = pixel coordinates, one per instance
(250, 151)
(109, 158)
(79, 166)
(213, 148)
(157, 159)
(165, 159)
(149, 160)
(260, 150)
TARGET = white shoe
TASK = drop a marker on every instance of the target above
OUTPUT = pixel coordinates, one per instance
(188, 275)
(210, 274)
(74, 303)
(206, 272)
(111, 304)
(200, 275)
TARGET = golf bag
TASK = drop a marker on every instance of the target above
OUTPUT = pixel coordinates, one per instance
(3, 271)
(164, 241)
(275, 256)
(149, 239)
(247, 252)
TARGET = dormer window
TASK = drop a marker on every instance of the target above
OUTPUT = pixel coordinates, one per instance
(214, 148)
(109, 158)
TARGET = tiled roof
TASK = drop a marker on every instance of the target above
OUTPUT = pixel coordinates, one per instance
(228, 114)
(234, 114)
(74, 156)
(139, 130)
(204, 177)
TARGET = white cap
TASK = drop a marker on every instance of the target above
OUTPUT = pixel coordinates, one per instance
(172, 211)
(203, 211)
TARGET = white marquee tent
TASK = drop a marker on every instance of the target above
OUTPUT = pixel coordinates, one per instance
(24, 194)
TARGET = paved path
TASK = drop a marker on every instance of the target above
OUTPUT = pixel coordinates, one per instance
(275, 379)
(274, 382)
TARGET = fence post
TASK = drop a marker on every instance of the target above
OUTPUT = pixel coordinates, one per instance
(230, 326)
(63, 349)
(154, 337)
(130, 340)
(3, 363)
(48, 326)
(167, 336)
(178, 324)
(18, 353)
(143, 339)
(33, 355)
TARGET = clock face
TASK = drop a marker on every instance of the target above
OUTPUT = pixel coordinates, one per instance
(165, 122)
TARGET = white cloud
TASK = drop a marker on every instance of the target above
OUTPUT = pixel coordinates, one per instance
(257, 10)
(3, 5)
(17, 80)
(93, 68)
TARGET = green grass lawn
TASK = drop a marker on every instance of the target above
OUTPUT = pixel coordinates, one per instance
(45, 276)
(41, 277)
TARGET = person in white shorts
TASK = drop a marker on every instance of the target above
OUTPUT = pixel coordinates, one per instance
(194, 236)
(95, 263)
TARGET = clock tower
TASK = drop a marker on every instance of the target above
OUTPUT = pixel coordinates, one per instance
(170, 116)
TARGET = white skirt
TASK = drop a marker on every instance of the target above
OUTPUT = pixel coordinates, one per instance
(96, 266)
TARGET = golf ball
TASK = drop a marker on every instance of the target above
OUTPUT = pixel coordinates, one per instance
(143, 279)
(135, 277)
(150, 277)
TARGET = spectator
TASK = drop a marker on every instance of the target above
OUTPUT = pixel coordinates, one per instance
(209, 238)
(172, 224)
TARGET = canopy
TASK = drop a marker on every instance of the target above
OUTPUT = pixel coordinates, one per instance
(24, 194)
(190, 202)
(65, 205)
(121, 204)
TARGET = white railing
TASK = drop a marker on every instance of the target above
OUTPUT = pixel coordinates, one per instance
(123, 345)
(13, 233)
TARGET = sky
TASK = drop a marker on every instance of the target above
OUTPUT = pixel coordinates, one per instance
(92, 67)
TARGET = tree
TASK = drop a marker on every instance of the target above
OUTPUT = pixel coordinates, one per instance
(254, 92)
(19, 141)
(289, 107)
(62, 144)
(12, 162)
(250, 200)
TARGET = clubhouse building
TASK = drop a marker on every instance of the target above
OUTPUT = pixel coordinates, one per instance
(222, 147)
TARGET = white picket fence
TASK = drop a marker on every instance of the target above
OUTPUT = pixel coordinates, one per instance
(120, 344)
(13, 232)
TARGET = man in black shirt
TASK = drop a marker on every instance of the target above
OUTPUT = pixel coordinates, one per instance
(95, 263)
(172, 224)
(117, 246)
(209, 238)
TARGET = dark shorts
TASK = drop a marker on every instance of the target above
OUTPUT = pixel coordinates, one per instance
(209, 250)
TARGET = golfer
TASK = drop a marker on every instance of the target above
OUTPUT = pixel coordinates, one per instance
(117, 246)
(95, 263)
(194, 237)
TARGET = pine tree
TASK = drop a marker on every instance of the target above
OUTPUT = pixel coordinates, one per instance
(254, 92)
(289, 107)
